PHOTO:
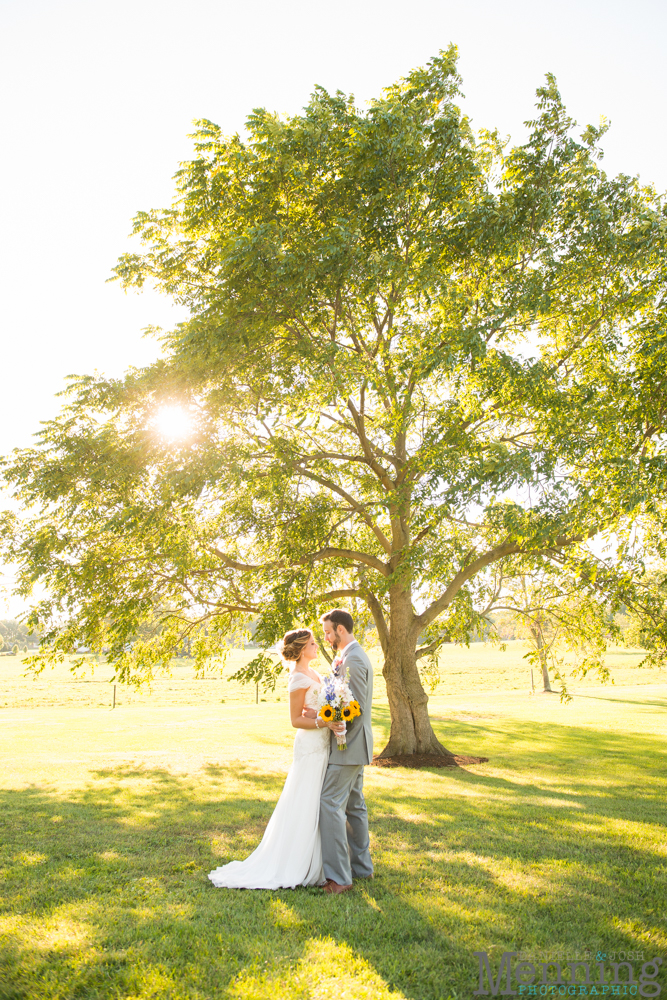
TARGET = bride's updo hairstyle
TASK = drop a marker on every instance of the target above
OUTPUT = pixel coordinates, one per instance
(294, 643)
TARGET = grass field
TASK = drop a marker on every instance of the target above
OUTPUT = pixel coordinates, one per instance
(109, 821)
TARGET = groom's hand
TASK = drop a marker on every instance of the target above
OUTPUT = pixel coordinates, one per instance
(309, 713)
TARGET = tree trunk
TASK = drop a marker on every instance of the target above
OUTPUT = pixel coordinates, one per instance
(545, 671)
(543, 660)
(411, 730)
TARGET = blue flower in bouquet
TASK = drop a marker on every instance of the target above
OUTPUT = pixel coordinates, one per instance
(336, 702)
(329, 690)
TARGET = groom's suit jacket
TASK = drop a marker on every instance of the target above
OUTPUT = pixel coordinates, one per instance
(357, 670)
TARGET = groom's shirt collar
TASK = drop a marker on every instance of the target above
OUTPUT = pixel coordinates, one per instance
(351, 643)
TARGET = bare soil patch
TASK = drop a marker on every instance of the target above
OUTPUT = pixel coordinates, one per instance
(427, 760)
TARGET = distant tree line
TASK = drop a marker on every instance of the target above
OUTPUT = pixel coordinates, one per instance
(15, 637)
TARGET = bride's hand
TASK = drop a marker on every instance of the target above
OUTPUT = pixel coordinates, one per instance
(336, 727)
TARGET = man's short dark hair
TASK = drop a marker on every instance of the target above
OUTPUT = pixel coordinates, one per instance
(339, 617)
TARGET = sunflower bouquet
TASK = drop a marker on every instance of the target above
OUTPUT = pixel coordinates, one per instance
(338, 704)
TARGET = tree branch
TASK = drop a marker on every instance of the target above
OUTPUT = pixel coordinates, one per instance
(335, 488)
(327, 553)
(381, 473)
(331, 595)
(431, 648)
(233, 564)
(362, 557)
(493, 555)
(378, 617)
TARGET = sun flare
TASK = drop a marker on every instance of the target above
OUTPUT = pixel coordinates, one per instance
(173, 423)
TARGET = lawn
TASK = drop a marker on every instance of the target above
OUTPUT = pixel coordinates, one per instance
(110, 820)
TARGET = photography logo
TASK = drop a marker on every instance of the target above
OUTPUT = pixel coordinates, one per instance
(597, 978)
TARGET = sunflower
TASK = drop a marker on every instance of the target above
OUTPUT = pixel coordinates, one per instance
(327, 713)
(348, 712)
(356, 710)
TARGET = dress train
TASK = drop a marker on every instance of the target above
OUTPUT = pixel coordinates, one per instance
(290, 852)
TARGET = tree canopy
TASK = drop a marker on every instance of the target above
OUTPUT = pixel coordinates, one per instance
(412, 354)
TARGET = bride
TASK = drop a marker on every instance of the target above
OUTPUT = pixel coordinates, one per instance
(290, 853)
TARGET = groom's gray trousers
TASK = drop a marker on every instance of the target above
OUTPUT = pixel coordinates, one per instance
(343, 816)
(344, 825)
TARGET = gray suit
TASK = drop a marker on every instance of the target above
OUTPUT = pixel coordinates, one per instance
(343, 816)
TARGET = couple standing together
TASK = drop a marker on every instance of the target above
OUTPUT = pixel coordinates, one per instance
(318, 833)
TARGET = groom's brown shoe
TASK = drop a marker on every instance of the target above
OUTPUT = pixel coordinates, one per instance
(333, 888)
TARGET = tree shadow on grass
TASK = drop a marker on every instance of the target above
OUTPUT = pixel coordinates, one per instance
(105, 890)
(656, 703)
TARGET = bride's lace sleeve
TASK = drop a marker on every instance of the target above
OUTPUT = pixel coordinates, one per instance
(297, 681)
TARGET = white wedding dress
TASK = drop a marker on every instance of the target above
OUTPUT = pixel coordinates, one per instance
(290, 852)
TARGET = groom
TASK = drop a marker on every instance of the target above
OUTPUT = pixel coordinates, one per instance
(343, 816)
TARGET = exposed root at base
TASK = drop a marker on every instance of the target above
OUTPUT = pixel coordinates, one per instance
(427, 760)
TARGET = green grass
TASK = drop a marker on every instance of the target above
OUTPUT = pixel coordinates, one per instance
(110, 820)
(479, 668)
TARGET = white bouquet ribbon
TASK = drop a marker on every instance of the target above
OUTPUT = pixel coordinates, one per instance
(341, 738)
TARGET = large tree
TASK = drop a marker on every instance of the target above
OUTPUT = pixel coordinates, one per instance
(412, 353)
